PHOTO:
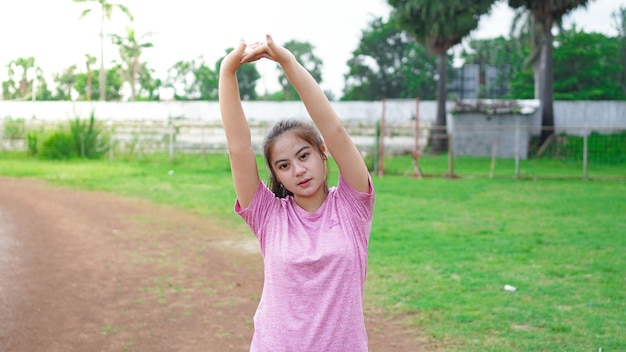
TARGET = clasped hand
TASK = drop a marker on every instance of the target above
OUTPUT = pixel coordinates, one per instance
(245, 53)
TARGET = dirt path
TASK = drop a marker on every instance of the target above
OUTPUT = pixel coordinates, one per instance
(89, 271)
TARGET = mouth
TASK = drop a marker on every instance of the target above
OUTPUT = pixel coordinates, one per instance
(304, 182)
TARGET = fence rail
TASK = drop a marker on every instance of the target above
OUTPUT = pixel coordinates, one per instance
(476, 150)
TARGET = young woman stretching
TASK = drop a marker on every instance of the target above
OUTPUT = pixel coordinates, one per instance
(313, 238)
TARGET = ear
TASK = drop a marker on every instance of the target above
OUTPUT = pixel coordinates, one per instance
(323, 149)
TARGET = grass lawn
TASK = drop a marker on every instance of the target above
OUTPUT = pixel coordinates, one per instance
(441, 250)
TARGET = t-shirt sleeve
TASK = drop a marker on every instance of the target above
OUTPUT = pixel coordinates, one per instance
(261, 205)
(361, 204)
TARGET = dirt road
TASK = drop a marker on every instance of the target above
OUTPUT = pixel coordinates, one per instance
(89, 271)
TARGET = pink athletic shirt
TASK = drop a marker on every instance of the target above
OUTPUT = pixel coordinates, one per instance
(315, 266)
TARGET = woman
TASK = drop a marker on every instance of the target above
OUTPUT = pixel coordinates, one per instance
(313, 238)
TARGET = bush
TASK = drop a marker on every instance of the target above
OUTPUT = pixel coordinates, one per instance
(14, 128)
(32, 139)
(87, 138)
(58, 145)
(83, 138)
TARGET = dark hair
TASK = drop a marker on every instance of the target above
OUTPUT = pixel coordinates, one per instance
(303, 130)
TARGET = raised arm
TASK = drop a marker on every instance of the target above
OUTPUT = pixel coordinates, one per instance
(242, 158)
(338, 141)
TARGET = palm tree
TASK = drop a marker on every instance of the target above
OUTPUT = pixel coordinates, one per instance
(19, 84)
(90, 60)
(106, 11)
(547, 13)
(440, 26)
(620, 25)
(130, 51)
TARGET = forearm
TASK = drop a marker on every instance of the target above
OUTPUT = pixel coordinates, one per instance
(310, 92)
(233, 118)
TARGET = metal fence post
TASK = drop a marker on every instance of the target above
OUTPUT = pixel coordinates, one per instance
(171, 132)
(381, 150)
(585, 155)
(416, 151)
(494, 147)
(450, 156)
(111, 140)
(517, 151)
(2, 134)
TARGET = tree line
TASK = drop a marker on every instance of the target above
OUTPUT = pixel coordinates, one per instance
(406, 55)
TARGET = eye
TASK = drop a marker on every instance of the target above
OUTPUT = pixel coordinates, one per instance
(304, 155)
(283, 166)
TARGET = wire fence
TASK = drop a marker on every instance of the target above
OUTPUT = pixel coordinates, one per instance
(398, 147)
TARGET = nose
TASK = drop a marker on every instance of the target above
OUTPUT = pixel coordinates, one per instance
(299, 168)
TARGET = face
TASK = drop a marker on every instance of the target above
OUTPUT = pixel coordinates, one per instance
(299, 167)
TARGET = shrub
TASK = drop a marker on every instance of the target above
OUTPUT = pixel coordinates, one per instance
(87, 138)
(14, 128)
(58, 145)
(82, 138)
(32, 138)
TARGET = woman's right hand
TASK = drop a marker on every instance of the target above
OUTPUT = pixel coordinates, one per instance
(233, 60)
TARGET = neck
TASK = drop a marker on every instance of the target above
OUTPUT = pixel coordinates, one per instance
(311, 203)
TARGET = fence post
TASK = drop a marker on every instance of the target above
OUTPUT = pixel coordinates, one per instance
(494, 148)
(111, 140)
(450, 156)
(416, 152)
(2, 134)
(202, 151)
(585, 155)
(171, 146)
(517, 151)
(381, 149)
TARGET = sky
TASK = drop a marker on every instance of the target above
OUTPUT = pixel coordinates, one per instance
(51, 31)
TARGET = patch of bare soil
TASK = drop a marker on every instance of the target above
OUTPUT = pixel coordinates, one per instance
(89, 271)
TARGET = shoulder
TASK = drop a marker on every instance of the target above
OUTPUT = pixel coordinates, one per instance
(358, 203)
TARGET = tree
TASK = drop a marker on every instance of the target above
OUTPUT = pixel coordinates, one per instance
(620, 24)
(530, 40)
(65, 82)
(90, 60)
(546, 13)
(106, 12)
(148, 84)
(587, 67)
(303, 51)
(21, 76)
(192, 80)
(130, 50)
(440, 26)
(113, 87)
(388, 63)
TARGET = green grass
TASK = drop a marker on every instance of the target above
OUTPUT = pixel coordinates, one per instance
(532, 168)
(441, 249)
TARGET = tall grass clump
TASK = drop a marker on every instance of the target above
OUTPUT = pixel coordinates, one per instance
(80, 138)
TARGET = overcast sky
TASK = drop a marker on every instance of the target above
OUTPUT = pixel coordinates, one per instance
(50, 30)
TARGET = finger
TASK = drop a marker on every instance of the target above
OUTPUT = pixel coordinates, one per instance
(256, 50)
(242, 46)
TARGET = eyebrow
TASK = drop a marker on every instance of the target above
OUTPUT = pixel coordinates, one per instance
(298, 152)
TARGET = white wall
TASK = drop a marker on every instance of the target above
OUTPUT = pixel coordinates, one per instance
(598, 114)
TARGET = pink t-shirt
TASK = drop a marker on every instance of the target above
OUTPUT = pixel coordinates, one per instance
(315, 266)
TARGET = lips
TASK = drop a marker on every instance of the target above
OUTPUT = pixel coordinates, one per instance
(305, 182)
